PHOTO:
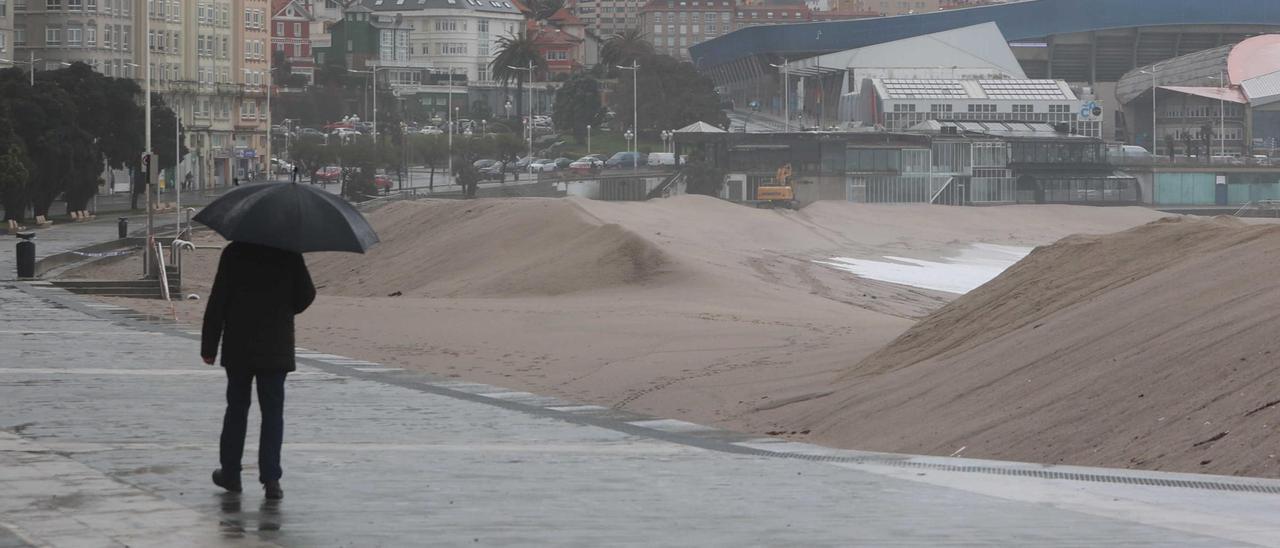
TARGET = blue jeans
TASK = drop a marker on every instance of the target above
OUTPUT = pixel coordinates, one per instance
(235, 422)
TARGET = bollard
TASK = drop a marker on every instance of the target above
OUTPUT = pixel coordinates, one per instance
(122, 227)
(26, 255)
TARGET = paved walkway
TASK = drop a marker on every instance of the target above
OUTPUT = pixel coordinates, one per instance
(109, 425)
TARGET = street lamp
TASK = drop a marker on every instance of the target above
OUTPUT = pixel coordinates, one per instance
(31, 65)
(1222, 114)
(629, 135)
(529, 124)
(786, 96)
(635, 100)
(666, 138)
(1154, 69)
(588, 139)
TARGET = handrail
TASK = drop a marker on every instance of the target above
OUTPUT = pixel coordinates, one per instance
(164, 276)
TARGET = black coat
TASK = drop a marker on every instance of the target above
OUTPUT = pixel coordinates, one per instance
(255, 295)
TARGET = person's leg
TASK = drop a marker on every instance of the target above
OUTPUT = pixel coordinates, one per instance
(235, 421)
(271, 400)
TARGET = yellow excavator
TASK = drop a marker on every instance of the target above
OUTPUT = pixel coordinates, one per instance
(782, 193)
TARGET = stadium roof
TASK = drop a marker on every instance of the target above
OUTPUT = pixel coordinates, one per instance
(1250, 67)
(959, 89)
(1028, 20)
(977, 46)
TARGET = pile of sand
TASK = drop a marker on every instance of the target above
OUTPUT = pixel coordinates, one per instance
(689, 307)
(1151, 348)
(488, 248)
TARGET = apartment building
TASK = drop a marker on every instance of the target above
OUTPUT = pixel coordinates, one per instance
(6, 34)
(674, 25)
(897, 7)
(97, 32)
(214, 74)
(608, 17)
(251, 56)
(457, 35)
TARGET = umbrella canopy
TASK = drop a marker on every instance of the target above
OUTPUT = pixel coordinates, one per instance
(289, 216)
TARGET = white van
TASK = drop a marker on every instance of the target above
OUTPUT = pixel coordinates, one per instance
(665, 159)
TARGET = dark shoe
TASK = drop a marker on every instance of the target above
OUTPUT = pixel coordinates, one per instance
(273, 490)
(226, 483)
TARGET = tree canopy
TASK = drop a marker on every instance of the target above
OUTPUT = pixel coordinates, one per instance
(672, 94)
(578, 105)
(66, 127)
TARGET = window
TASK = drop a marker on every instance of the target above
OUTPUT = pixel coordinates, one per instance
(53, 36)
(74, 36)
(91, 36)
(1059, 109)
(712, 28)
(77, 5)
(1023, 109)
(982, 108)
(19, 5)
(557, 55)
(297, 29)
(53, 5)
(940, 108)
(904, 107)
(19, 36)
(279, 28)
(4, 42)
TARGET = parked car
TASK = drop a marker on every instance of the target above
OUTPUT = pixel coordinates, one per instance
(586, 164)
(281, 166)
(431, 130)
(328, 173)
(542, 165)
(665, 159)
(493, 172)
(563, 163)
(483, 163)
(310, 132)
(626, 159)
(344, 132)
(522, 164)
(382, 182)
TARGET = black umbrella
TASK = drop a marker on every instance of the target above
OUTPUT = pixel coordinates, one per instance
(289, 216)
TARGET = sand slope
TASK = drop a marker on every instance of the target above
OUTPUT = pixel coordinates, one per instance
(488, 249)
(1152, 348)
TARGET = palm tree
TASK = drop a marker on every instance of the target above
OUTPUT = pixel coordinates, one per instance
(624, 47)
(520, 52)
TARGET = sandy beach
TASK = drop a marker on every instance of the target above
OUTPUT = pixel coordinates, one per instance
(689, 308)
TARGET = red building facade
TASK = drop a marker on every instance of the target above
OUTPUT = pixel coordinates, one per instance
(291, 36)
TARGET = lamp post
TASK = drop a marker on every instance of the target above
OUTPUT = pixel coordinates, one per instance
(1154, 68)
(588, 139)
(528, 126)
(146, 67)
(786, 96)
(635, 116)
(1222, 115)
(629, 135)
(666, 139)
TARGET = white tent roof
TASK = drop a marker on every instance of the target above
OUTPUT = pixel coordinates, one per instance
(980, 46)
(699, 127)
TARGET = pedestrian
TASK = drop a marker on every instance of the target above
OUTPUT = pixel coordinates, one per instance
(256, 293)
(296, 174)
(235, 181)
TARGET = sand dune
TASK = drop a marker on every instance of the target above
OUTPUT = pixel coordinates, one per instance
(688, 307)
(489, 249)
(1152, 348)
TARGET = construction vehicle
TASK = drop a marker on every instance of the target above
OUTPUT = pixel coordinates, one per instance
(780, 194)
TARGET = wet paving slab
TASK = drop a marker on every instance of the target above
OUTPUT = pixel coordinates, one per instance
(110, 427)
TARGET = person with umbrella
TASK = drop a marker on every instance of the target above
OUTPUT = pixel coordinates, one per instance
(261, 284)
